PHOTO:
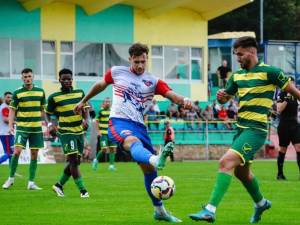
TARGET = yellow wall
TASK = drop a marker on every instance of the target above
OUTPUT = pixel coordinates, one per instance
(57, 24)
(179, 27)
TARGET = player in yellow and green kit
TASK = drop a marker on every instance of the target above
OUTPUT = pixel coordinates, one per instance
(104, 143)
(26, 108)
(70, 130)
(254, 84)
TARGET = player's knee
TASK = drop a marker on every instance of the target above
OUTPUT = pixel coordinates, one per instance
(129, 141)
(73, 160)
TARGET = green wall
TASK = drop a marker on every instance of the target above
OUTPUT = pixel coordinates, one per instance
(113, 25)
(13, 84)
(15, 22)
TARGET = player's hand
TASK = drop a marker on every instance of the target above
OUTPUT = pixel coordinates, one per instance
(222, 96)
(78, 108)
(85, 124)
(187, 103)
(52, 130)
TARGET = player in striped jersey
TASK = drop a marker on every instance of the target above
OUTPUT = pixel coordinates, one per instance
(254, 84)
(26, 107)
(104, 143)
(70, 130)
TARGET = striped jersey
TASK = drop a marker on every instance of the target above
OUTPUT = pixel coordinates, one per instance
(132, 93)
(28, 105)
(255, 89)
(61, 104)
(102, 119)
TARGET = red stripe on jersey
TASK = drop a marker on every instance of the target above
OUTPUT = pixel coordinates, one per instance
(162, 88)
(114, 133)
(108, 77)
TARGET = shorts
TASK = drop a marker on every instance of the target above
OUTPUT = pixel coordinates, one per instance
(247, 141)
(105, 142)
(288, 132)
(35, 140)
(71, 143)
(7, 143)
(119, 129)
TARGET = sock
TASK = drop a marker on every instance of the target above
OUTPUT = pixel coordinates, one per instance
(3, 158)
(253, 189)
(139, 153)
(160, 210)
(63, 179)
(32, 169)
(153, 160)
(211, 208)
(79, 183)
(148, 178)
(221, 187)
(14, 165)
(298, 160)
(112, 156)
(260, 203)
(99, 154)
(280, 162)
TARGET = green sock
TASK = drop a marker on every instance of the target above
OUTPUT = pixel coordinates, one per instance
(14, 165)
(32, 169)
(99, 154)
(253, 189)
(79, 183)
(112, 156)
(63, 179)
(221, 187)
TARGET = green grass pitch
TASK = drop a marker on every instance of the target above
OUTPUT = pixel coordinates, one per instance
(119, 197)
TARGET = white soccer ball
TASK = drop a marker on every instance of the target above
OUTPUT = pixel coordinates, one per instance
(163, 187)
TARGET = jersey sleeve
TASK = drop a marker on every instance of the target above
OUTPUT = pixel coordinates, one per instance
(5, 112)
(43, 100)
(162, 88)
(231, 86)
(108, 77)
(50, 108)
(14, 102)
(277, 77)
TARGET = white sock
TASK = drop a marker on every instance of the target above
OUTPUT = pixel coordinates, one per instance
(160, 210)
(260, 203)
(11, 179)
(30, 182)
(153, 160)
(211, 208)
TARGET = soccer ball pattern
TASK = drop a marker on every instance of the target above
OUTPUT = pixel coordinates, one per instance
(163, 187)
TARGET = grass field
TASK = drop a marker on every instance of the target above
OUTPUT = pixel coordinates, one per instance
(119, 197)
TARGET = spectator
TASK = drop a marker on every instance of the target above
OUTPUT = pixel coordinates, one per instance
(169, 136)
(191, 117)
(172, 111)
(151, 116)
(223, 72)
(216, 109)
(223, 116)
(155, 107)
(231, 111)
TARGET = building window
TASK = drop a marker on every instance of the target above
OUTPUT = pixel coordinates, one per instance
(66, 55)
(26, 54)
(4, 58)
(196, 63)
(88, 59)
(116, 55)
(298, 58)
(177, 62)
(157, 57)
(49, 59)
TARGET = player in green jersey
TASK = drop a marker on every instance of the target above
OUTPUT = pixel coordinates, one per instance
(254, 84)
(26, 108)
(104, 143)
(70, 130)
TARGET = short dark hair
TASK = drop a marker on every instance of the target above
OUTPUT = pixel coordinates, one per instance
(65, 71)
(245, 42)
(138, 49)
(26, 70)
(7, 93)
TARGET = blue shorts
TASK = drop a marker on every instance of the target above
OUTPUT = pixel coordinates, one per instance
(119, 129)
(7, 143)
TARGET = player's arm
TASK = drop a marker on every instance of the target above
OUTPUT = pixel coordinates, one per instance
(222, 96)
(172, 134)
(5, 115)
(85, 115)
(293, 90)
(282, 102)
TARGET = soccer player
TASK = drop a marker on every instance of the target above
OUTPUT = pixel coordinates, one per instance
(27, 105)
(133, 91)
(288, 129)
(70, 130)
(254, 84)
(104, 143)
(6, 138)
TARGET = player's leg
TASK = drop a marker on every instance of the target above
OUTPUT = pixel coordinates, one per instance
(112, 155)
(280, 163)
(160, 212)
(36, 142)
(20, 143)
(297, 148)
(6, 147)
(250, 182)
(295, 139)
(58, 187)
(284, 141)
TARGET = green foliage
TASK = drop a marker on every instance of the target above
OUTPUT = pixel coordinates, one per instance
(119, 197)
(281, 20)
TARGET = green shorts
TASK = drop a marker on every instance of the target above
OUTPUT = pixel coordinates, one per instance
(105, 142)
(36, 140)
(247, 141)
(72, 143)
